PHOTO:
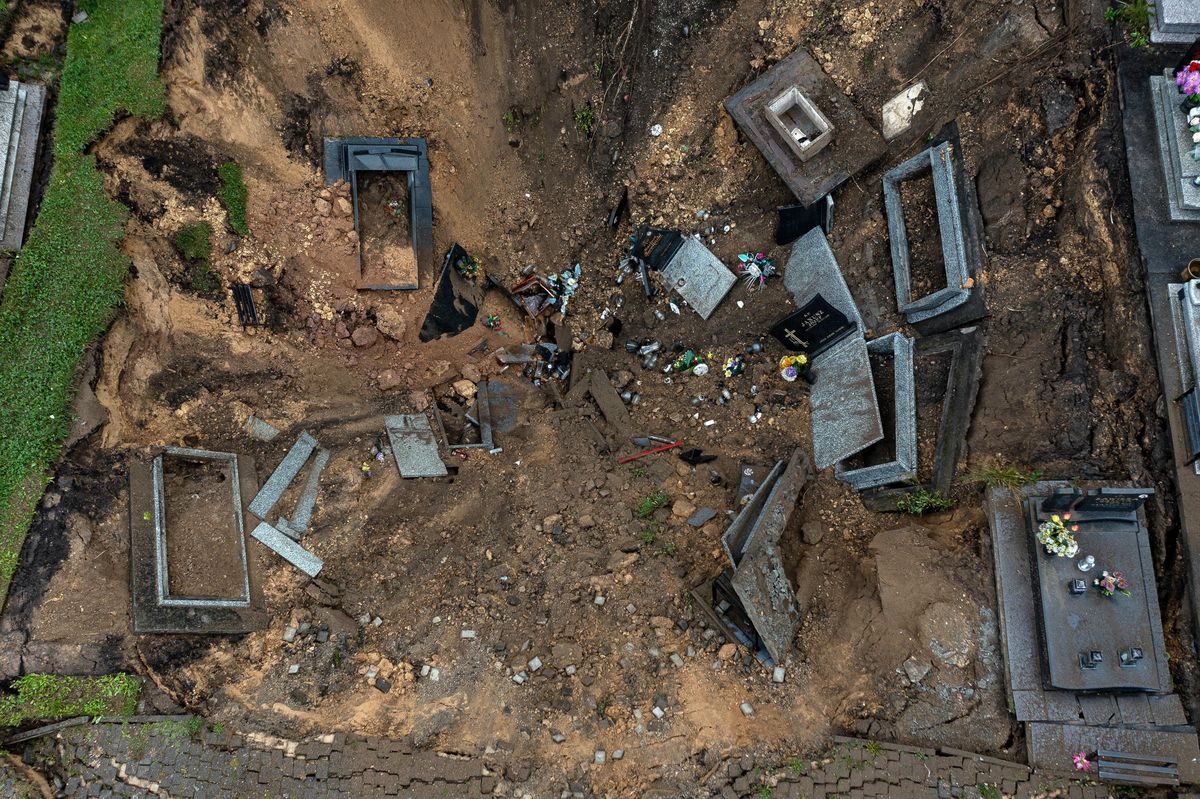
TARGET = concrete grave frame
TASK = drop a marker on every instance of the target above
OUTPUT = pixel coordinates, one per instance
(940, 162)
(226, 615)
(792, 103)
(904, 467)
(162, 575)
(965, 347)
(346, 157)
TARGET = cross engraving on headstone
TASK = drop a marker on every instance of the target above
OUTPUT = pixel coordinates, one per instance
(813, 328)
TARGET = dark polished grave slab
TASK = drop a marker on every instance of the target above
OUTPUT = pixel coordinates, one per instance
(1075, 625)
(854, 145)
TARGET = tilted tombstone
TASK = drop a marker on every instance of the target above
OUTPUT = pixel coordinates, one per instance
(814, 328)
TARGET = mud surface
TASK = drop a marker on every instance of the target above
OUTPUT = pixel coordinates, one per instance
(538, 117)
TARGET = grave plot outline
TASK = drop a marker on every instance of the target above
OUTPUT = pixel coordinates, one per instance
(939, 162)
(162, 574)
(347, 156)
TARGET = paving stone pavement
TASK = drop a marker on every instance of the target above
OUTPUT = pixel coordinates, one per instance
(855, 769)
(164, 760)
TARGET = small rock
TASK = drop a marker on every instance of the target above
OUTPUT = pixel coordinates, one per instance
(747, 709)
(678, 661)
(419, 400)
(323, 206)
(467, 634)
(682, 508)
(435, 675)
(658, 712)
(519, 678)
(289, 634)
(778, 674)
(322, 636)
(599, 600)
(383, 685)
(617, 754)
(600, 757)
(535, 664)
(701, 517)
(557, 737)
(389, 379)
(364, 336)
(586, 521)
(375, 622)
(471, 372)
(727, 652)
(294, 668)
(343, 206)
(916, 670)
(465, 389)
(812, 532)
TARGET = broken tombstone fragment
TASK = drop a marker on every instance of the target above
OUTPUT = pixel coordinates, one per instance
(456, 301)
(796, 220)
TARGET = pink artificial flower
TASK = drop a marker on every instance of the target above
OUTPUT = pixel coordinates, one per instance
(1081, 762)
(1179, 76)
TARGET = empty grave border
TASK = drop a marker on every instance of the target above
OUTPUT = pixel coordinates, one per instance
(162, 575)
(940, 162)
(904, 465)
(342, 163)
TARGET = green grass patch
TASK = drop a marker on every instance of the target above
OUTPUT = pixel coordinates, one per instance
(1006, 477)
(49, 697)
(233, 196)
(194, 243)
(920, 502)
(652, 503)
(65, 283)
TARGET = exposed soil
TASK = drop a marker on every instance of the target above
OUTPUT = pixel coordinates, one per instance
(517, 547)
(203, 556)
(927, 263)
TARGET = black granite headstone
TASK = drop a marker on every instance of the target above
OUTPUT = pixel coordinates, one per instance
(814, 328)
(1122, 502)
(796, 220)
(1060, 501)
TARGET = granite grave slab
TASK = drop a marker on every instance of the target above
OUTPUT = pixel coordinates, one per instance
(1175, 145)
(414, 446)
(904, 445)
(698, 276)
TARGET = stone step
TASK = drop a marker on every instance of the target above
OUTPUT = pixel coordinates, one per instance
(11, 107)
(10, 155)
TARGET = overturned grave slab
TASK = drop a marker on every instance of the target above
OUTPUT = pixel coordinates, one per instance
(834, 141)
(367, 160)
(698, 276)
(191, 570)
(282, 477)
(414, 445)
(21, 107)
(456, 301)
(753, 602)
(845, 409)
(901, 456)
(288, 549)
